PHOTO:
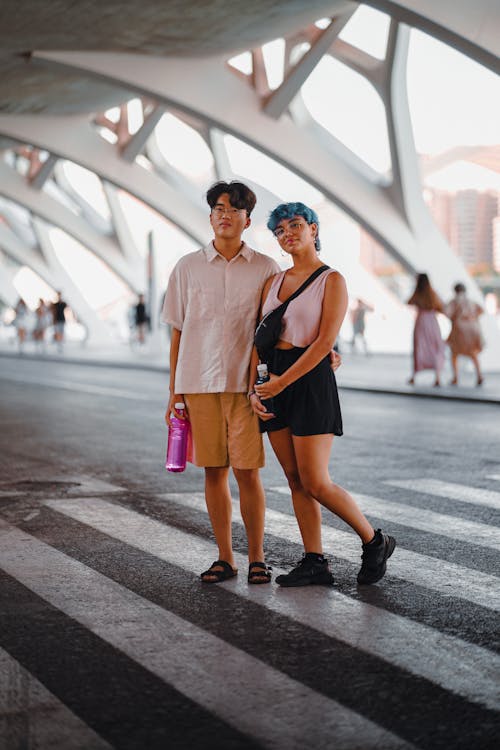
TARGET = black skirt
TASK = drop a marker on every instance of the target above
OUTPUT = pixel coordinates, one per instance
(310, 405)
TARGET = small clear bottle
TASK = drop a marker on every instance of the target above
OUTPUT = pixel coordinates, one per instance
(178, 435)
(263, 377)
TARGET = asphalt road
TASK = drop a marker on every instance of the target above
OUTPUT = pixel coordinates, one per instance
(107, 638)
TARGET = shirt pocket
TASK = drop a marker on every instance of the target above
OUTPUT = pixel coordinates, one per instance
(202, 304)
(247, 300)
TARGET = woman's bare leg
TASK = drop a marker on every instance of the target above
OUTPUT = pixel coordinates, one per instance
(312, 454)
(307, 509)
(479, 375)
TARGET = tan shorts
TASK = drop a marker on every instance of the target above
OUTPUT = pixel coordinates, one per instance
(225, 430)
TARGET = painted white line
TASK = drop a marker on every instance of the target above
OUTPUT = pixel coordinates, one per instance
(70, 385)
(450, 662)
(221, 678)
(471, 532)
(432, 573)
(462, 492)
(32, 716)
(496, 477)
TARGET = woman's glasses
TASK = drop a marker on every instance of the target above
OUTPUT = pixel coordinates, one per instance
(293, 226)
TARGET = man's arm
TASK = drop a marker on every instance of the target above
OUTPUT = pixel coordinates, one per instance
(175, 341)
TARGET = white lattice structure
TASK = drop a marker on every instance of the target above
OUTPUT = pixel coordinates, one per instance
(200, 88)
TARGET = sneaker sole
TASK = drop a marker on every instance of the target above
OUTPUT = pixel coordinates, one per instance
(391, 546)
(304, 582)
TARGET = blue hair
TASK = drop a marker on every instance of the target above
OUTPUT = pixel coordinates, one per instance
(289, 211)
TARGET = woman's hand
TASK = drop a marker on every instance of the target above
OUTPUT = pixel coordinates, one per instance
(269, 389)
(175, 398)
(335, 360)
(259, 409)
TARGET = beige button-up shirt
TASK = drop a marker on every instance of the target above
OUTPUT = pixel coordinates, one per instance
(214, 303)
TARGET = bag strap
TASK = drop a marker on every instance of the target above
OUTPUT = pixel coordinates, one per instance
(306, 283)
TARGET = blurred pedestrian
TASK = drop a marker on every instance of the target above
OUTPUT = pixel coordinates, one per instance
(465, 337)
(358, 315)
(21, 322)
(428, 346)
(42, 320)
(141, 320)
(59, 320)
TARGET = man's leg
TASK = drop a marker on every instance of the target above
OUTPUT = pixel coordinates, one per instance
(218, 499)
(253, 507)
(209, 433)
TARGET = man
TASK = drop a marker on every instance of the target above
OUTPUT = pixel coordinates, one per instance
(141, 319)
(211, 303)
(59, 317)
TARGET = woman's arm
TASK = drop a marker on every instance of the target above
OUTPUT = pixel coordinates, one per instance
(332, 315)
(265, 292)
(254, 361)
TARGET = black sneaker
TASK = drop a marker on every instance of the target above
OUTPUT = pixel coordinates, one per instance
(309, 571)
(375, 556)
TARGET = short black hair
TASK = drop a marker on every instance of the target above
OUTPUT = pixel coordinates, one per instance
(240, 195)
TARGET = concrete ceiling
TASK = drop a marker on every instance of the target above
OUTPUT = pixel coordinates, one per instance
(188, 28)
(152, 27)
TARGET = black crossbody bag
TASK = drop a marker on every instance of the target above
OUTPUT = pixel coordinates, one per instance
(268, 331)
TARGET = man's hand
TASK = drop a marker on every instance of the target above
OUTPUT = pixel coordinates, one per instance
(258, 409)
(174, 398)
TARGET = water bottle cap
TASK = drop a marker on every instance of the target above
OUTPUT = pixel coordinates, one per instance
(179, 405)
(262, 369)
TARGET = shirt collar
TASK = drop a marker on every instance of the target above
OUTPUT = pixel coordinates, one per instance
(211, 253)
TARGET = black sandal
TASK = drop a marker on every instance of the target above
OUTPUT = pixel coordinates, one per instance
(259, 570)
(216, 576)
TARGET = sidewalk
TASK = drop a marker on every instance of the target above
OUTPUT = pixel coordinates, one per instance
(379, 373)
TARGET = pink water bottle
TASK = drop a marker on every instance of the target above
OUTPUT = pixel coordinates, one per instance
(178, 435)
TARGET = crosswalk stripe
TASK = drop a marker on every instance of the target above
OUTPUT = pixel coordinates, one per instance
(28, 703)
(201, 666)
(451, 490)
(428, 520)
(445, 660)
(432, 573)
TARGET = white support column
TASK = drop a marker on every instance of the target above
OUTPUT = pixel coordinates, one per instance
(125, 239)
(8, 271)
(44, 172)
(14, 187)
(137, 141)
(277, 102)
(97, 330)
(219, 151)
(24, 255)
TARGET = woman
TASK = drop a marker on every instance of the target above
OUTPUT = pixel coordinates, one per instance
(306, 407)
(428, 346)
(465, 337)
(21, 322)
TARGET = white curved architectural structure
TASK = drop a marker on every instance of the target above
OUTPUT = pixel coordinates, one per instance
(185, 72)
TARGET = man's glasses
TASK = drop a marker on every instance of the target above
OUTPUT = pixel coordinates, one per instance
(293, 226)
(220, 211)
